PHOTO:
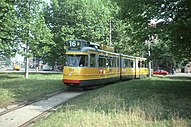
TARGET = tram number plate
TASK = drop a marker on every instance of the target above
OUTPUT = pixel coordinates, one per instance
(74, 44)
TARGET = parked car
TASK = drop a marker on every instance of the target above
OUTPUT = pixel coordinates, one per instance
(16, 67)
(160, 72)
(46, 67)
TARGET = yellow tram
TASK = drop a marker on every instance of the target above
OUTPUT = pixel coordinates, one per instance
(90, 64)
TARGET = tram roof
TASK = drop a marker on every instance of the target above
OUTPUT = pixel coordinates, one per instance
(77, 46)
(84, 47)
(123, 55)
(85, 50)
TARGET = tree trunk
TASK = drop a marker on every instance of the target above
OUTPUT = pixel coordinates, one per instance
(26, 67)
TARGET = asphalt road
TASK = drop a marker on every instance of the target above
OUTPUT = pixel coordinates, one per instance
(10, 70)
(180, 75)
(41, 71)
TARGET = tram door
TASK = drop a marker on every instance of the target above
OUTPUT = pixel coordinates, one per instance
(102, 66)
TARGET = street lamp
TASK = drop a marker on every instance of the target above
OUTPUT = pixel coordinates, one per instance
(148, 44)
(153, 23)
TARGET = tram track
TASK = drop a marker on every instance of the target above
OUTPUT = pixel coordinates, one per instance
(18, 105)
(25, 114)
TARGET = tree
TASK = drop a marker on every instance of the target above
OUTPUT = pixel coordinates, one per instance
(78, 19)
(179, 30)
(8, 45)
(174, 32)
(32, 33)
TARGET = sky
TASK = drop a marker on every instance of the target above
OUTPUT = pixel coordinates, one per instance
(18, 58)
(48, 1)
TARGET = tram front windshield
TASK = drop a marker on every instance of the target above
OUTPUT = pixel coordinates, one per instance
(77, 61)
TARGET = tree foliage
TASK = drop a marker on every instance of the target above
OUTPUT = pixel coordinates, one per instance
(7, 28)
(79, 19)
(32, 32)
(33, 25)
(180, 29)
(174, 32)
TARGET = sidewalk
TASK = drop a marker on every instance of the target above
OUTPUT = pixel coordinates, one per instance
(22, 115)
(180, 75)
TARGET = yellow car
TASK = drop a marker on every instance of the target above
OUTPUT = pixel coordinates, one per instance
(16, 67)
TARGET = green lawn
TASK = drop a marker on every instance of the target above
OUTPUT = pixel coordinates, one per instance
(155, 102)
(15, 88)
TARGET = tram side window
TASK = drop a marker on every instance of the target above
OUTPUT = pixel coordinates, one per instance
(128, 63)
(131, 63)
(117, 62)
(83, 61)
(139, 64)
(125, 64)
(130, 66)
(114, 62)
(102, 62)
(109, 61)
(92, 60)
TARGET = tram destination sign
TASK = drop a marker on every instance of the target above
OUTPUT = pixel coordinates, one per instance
(74, 44)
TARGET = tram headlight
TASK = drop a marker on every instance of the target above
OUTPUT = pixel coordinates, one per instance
(70, 74)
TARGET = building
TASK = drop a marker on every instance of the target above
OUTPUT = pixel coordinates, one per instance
(187, 68)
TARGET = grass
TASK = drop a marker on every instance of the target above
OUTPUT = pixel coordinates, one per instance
(15, 88)
(155, 102)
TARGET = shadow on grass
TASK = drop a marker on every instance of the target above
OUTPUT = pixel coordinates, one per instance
(22, 89)
(160, 99)
(173, 77)
(7, 76)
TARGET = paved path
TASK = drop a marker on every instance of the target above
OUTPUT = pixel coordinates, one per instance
(20, 116)
(181, 75)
